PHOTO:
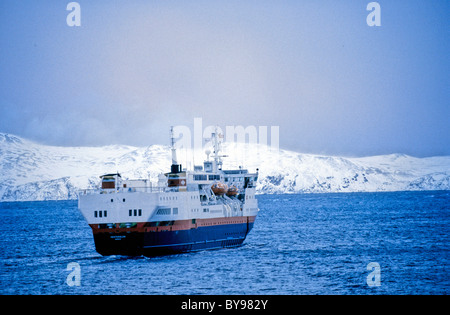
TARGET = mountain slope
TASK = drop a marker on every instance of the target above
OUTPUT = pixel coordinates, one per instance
(31, 171)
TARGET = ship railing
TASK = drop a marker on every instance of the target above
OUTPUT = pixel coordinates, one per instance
(188, 187)
(147, 189)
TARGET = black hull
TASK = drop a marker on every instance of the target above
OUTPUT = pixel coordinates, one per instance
(171, 242)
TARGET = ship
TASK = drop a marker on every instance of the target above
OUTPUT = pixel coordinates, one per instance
(185, 210)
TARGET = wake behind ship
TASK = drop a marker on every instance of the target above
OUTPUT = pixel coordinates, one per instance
(186, 211)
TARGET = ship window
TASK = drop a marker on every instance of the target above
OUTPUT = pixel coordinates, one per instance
(127, 225)
(112, 200)
(175, 210)
(163, 211)
(100, 214)
(135, 212)
(130, 212)
(140, 212)
(123, 199)
(95, 214)
(105, 213)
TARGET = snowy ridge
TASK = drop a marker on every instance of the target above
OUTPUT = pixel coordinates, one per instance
(31, 171)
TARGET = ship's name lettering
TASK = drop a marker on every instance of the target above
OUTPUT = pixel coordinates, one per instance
(118, 237)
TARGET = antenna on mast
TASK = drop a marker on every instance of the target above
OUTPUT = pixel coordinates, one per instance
(217, 148)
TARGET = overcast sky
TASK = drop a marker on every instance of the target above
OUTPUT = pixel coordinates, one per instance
(132, 69)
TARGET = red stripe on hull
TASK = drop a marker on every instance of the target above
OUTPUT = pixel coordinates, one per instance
(175, 225)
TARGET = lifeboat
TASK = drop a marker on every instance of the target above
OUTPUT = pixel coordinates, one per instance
(219, 189)
(232, 191)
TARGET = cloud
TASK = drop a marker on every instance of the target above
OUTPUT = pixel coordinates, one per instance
(132, 69)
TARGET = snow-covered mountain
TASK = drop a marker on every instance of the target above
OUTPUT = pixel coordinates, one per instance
(31, 171)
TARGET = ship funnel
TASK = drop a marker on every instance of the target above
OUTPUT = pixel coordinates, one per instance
(175, 167)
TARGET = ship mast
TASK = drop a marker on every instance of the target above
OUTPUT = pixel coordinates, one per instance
(217, 148)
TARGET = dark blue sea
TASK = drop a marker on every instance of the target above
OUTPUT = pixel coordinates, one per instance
(300, 244)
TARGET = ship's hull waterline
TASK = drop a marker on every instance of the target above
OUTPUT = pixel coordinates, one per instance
(172, 237)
